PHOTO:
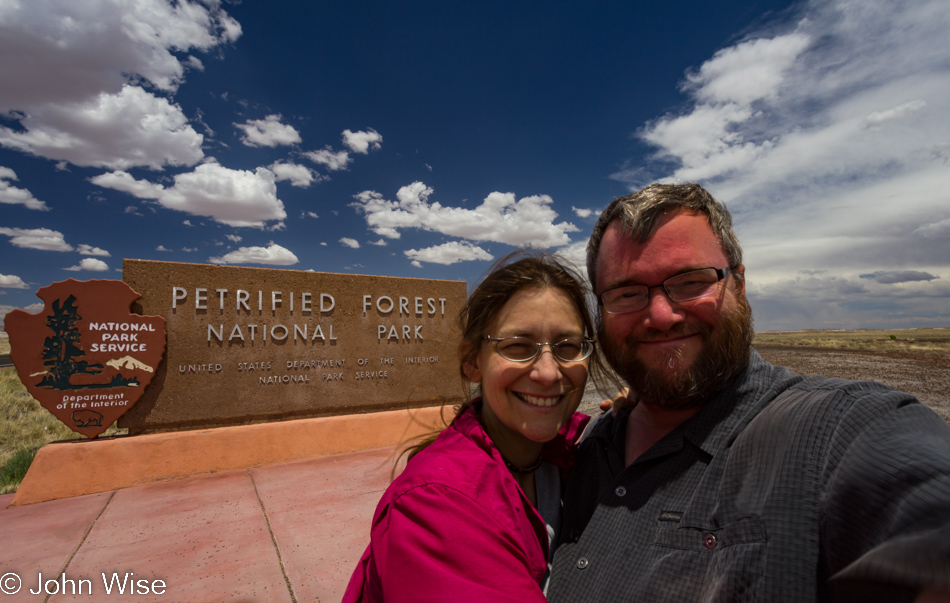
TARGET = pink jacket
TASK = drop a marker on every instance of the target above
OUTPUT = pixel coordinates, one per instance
(454, 526)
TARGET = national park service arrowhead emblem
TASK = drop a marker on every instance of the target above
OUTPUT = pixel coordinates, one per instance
(86, 358)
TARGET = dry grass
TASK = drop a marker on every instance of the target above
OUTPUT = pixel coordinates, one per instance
(25, 424)
(930, 340)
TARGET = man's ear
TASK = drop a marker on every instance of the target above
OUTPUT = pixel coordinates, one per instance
(470, 363)
(740, 271)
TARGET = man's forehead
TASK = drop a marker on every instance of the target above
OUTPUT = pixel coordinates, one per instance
(663, 220)
(683, 240)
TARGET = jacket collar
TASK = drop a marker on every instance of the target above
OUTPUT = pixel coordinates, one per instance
(559, 451)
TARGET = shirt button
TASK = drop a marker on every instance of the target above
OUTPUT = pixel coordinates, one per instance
(620, 491)
(709, 541)
(582, 563)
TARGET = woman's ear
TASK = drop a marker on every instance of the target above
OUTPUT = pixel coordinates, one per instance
(470, 363)
(471, 371)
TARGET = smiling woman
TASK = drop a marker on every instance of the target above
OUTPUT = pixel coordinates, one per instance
(527, 401)
(477, 509)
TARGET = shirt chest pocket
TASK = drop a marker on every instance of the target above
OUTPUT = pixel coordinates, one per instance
(719, 564)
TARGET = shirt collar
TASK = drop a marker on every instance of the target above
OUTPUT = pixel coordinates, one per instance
(712, 428)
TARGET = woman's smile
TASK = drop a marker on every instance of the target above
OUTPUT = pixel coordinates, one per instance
(539, 400)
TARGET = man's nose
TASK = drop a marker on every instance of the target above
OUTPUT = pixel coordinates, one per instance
(662, 312)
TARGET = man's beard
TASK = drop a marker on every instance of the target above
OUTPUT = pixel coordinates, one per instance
(724, 354)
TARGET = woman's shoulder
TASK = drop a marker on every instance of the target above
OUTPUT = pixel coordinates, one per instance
(454, 459)
(452, 478)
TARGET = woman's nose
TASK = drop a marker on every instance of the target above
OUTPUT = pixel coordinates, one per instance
(546, 368)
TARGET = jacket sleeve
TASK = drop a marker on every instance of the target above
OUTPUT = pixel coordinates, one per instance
(887, 505)
(437, 544)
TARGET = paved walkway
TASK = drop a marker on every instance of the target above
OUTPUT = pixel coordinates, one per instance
(289, 532)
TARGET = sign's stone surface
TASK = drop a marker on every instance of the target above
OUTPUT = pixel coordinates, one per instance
(86, 358)
(254, 344)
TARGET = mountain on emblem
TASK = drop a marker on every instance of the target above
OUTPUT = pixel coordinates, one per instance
(127, 362)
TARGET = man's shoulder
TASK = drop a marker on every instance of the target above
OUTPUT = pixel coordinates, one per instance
(597, 423)
(604, 425)
(818, 408)
(770, 400)
(781, 385)
(819, 390)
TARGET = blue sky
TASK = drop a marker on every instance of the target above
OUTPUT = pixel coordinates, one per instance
(426, 139)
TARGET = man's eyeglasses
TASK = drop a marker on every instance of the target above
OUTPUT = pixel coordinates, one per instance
(679, 288)
(522, 349)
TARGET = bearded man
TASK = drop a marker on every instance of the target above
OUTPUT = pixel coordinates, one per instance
(722, 477)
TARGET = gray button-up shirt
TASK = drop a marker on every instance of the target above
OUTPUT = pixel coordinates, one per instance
(778, 484)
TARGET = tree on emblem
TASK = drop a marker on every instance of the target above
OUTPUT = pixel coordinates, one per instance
(63, 355)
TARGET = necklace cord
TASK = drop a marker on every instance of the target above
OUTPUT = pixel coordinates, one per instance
(522, 470)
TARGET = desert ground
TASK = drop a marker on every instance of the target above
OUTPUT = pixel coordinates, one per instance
(916, 361)
(924, 375)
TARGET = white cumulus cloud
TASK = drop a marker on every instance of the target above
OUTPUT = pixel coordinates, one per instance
(89, 264)
(75, 82)
(363, 142)
(37, 238)
(68, 51)
(299, 175)
(12, 281)
(272, 255)
(120, 130)
(749, 71)
(575, 255)
(500, 218)
(268, 132)
(352, 243)
(449, 253)
(195, 63)
(84, 249)
(17, 196)
(333, 161)
(234, 197)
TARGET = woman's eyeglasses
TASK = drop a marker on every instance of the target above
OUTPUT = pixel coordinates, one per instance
(522, 349)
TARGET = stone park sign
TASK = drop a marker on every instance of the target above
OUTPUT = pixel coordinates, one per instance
(86, 358)
(253, 344)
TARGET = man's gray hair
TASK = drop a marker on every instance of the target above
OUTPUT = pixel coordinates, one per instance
(640, 214)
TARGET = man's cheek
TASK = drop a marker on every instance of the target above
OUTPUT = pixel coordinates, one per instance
(620, 327)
